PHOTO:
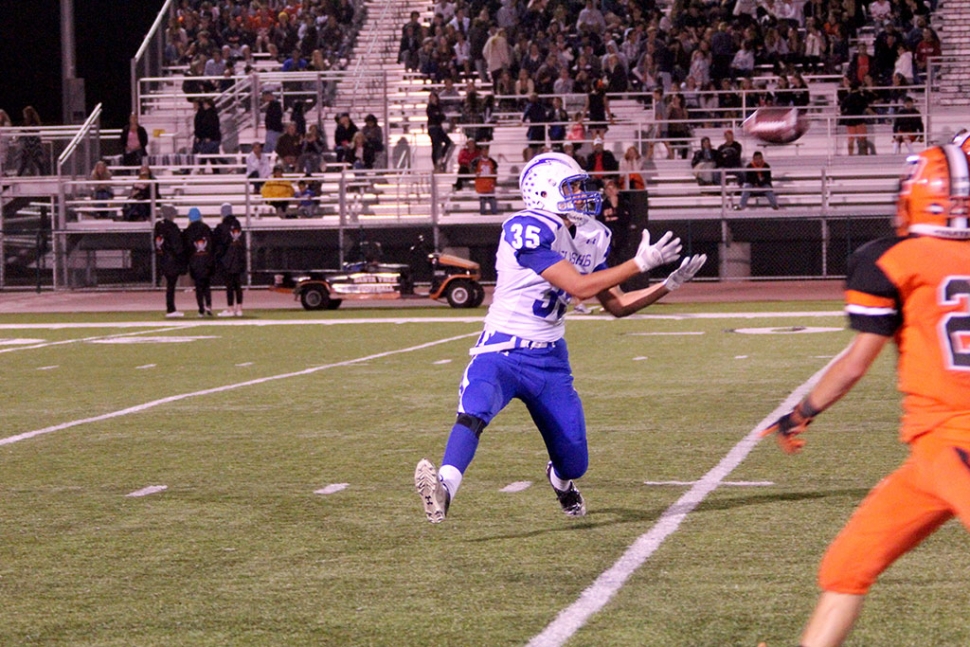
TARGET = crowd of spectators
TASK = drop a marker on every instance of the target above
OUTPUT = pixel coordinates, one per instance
(218, 35)
(218, 40)
(528, 56)
(706, 59)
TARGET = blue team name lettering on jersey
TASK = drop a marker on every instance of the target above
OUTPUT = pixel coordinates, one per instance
(578, 260)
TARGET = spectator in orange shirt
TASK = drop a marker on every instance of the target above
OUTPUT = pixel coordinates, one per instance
(486, 177)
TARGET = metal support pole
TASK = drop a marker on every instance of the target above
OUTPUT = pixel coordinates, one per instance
(826, 193)
(435, 208)
(834, 147)
(825, 247)
(133, 75)
(257, 96)
(67, 61)
(153, 213)
(342, 208)
(249, 229)
(40, 243)
(927, 99)
(57, 243)
(387, 124)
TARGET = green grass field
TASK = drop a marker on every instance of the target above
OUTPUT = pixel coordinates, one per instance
(242, 549)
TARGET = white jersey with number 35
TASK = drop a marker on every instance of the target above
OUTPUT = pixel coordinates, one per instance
(525, 304)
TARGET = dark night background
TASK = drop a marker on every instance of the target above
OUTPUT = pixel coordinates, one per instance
(107, 34)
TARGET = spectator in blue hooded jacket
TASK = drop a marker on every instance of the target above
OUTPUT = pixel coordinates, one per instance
(198, 243)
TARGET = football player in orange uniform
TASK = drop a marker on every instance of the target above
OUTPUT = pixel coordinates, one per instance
(913, 289)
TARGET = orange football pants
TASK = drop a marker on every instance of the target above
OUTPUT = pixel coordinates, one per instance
(930, 488)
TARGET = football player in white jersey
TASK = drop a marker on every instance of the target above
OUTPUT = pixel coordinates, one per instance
(548, 252)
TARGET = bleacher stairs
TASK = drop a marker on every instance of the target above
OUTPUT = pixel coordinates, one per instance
(953, 26)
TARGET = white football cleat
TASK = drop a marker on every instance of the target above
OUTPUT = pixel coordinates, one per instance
(174, 315)
(570, 499)
(434, 495)
(226, 313)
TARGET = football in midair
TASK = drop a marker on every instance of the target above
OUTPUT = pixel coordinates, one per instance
(776, 125)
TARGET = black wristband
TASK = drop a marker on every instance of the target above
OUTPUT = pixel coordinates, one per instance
(806, 409)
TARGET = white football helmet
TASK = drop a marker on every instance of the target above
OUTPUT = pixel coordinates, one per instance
(555, 182)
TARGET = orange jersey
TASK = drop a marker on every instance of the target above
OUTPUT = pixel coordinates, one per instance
(918, 289)
(485, 170)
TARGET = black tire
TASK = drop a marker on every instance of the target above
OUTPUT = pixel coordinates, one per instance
(460, 293)
(333, 304)
(478, 295)
(315, 297)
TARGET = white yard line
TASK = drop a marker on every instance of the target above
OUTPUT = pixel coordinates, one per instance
(145, 491)
(91, 339)
(220, 389)
(596, 596)
(725, 483)
(333, 488)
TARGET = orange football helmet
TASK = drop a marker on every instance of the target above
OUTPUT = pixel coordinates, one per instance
(934, 195)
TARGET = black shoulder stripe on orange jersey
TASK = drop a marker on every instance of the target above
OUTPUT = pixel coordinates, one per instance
(864, 273)
(872, 300)
(885, 324)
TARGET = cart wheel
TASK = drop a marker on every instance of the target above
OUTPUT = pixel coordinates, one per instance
(478, 295)
(460, 293)
(315, 297)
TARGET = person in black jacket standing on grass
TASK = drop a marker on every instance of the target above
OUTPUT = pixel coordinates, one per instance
(198, 242)
(230, 253)
(170, 252)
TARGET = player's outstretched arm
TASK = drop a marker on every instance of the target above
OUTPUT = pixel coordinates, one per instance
(838, 380)
(622, 304)
(583, 286)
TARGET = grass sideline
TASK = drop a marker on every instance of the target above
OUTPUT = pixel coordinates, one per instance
(240, 550)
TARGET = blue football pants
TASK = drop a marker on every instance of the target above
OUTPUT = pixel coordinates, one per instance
(543, 380)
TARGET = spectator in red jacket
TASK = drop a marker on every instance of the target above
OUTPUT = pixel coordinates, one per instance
(601, 164)
(465, 158)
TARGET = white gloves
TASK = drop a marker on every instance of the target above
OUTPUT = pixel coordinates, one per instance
(664, 251)
(688, 268)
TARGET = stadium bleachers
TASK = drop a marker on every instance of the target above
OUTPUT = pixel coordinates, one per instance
(813, 177)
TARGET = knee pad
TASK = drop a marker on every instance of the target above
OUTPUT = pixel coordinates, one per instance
(474, 423)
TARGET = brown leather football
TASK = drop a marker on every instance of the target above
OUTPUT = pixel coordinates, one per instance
(776, 125)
